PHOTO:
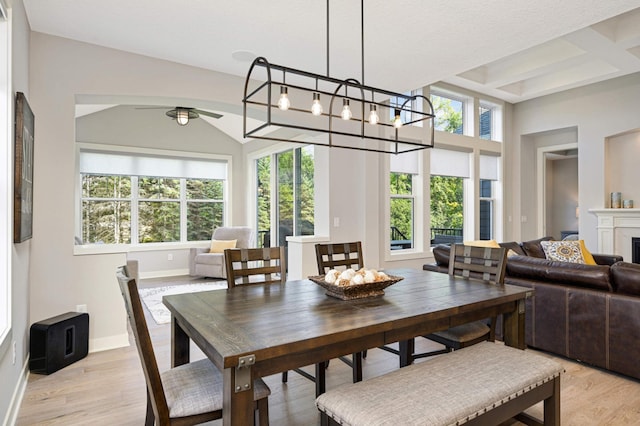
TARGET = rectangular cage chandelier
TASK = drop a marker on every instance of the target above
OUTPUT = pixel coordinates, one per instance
(286, 104)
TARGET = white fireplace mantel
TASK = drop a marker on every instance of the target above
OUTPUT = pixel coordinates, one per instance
(616, 227)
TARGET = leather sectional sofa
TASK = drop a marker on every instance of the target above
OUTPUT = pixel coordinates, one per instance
(590, 313)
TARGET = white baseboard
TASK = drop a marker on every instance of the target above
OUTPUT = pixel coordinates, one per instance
(110, 342)
(18, 393)
(165, 273)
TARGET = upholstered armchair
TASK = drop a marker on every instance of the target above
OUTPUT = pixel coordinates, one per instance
(204, 263)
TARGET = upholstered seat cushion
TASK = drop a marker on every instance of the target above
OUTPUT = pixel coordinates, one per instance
(465, 332)
(447, 390)
(196, 388)
(210, 258)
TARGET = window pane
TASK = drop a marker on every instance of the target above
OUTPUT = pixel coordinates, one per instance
(95, 186)
(485, 188)
(204, 189)
(158, 188)
(448, 114)
(447, 194)
(159, 221)
(486, 219)
(401, 223)
(304, 191)
(106, 222)
(285, 196)
(202, 218)
(401, 184)
(263, 200)
(485, 123)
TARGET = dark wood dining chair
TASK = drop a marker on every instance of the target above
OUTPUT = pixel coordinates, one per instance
(342, 256)
(485, 264)
(185, 395)
(255, 266)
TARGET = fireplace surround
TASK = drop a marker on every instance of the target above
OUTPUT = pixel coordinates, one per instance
(619, 232)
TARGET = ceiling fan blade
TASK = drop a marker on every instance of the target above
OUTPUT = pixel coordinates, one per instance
(208, 114)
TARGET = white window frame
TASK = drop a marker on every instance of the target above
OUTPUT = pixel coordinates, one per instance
(117, 248)
(496, 119)
(414, 181)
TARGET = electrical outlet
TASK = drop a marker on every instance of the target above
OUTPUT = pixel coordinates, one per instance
(170, 256)
(14, 353)
(81, 308)
(336, 222)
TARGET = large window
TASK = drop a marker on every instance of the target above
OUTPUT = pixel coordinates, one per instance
(486, 210)
(137, 199)
(288, 208)
(447, 195)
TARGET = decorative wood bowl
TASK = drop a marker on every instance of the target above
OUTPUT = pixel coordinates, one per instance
(355, 291)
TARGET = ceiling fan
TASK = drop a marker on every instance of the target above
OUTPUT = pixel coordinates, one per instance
(182, 115)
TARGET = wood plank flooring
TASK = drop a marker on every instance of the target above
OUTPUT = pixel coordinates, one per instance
(107, 388)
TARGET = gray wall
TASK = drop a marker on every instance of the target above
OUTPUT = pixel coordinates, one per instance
(12, 376)
(598, 112)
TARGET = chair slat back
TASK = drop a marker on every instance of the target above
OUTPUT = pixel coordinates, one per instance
(484, 263)
(339, 256)
(255, 266)
(133, 306)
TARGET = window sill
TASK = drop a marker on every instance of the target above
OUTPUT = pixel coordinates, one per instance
(409, 254)
(91, 249)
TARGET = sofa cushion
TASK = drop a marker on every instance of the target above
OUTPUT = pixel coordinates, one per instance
(626, 278)
(563, 251)
(533, 248)
(219, 246)
(572, 274)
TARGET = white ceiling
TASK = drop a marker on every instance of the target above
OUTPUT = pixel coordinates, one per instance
(510, 49)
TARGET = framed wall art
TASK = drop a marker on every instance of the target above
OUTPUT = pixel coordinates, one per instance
(23, 168)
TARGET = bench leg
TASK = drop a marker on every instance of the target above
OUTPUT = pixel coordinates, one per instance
(407, 348)
(552, 405)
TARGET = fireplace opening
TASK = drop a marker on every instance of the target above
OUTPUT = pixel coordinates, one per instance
(635, 250)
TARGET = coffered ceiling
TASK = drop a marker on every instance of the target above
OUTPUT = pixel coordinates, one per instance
(510, 49)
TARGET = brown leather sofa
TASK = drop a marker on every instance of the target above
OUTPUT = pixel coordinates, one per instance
(590, 313)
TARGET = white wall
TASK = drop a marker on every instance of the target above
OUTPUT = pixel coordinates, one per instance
(621, 166)
(597, 111)
(564, 197)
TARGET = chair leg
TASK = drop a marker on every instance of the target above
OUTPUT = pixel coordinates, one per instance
(285, 376)
(357, 367)
(150, 418)
(263, 412)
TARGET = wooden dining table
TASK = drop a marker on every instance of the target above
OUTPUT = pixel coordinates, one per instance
(253, 331)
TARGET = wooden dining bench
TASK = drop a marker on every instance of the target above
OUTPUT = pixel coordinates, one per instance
(484, 384)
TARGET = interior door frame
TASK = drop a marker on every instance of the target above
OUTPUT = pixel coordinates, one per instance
(541, 171)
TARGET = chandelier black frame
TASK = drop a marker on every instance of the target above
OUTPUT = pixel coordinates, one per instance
(372, 139)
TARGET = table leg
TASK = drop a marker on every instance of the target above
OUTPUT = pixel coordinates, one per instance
(237, 407)
(514, 326)
(407, 348)
(179, 344)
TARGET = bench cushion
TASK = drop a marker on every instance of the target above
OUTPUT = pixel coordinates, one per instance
(447, 390)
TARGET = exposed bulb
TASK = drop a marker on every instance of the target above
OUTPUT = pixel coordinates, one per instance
(373, 115)
(397, 121)
(182, 116)
(283, 102)
(316, 106)
(346, 111)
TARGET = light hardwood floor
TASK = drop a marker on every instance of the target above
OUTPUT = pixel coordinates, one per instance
(107, 388)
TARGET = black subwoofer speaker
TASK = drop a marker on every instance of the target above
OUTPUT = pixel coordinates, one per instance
(57, 342)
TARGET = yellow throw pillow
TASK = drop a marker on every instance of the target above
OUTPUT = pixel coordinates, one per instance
(218, 246)
(563, 251)
(588, 258)
(483, 243)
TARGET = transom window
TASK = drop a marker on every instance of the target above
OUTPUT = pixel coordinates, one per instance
(449, 112)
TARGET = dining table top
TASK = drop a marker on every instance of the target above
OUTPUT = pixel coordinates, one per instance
(271, 320)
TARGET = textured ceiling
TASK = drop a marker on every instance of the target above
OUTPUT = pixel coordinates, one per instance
(510, 49)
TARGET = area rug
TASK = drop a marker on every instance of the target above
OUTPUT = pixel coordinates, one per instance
(152, 297)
